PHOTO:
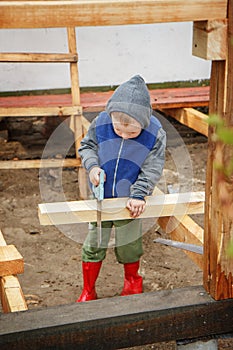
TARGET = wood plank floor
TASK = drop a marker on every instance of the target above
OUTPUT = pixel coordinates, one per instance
(96, 101)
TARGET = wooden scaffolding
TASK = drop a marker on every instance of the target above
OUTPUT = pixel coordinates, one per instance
(212, 40)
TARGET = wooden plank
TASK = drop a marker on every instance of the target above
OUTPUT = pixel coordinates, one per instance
(191, 118)
(76, 121)
(184, 229)
(11, 261)
(11, 294)
(119, 322)
(218, 265)
(12, 297)
(115, 208)
(96, 101)
(44, 14)
(2, 239)
(180, 97)
(85, 124)
(210, 39)
(39, 163)
(75, 90)
(38, 57)
(160, 98)
(39, 111)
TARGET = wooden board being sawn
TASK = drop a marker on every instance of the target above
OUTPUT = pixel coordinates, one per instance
(115, 208)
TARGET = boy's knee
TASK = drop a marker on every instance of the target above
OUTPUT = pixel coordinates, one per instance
(90, 253)
(130, 252)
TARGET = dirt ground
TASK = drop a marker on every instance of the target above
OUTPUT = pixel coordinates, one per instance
(53, 260)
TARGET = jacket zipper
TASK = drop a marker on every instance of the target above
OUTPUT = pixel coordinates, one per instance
(115, 173)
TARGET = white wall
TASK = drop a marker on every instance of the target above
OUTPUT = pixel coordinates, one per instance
(107, 56)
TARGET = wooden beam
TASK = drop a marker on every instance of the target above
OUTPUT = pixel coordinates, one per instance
(115, 208)
(2, 239)
(39, 163)
(119, 322)
(38, 57)
(218, 265)
(85, 124)
(210, 39)
(44, 14)
(191, 118)
(11, 293)
(183, 229)
(11, 261)
(40, 111)
(75, 120)
(12, 297)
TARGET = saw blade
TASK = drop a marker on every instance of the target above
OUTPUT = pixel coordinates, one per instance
(181, 245)
(98, 192)
(99, 224)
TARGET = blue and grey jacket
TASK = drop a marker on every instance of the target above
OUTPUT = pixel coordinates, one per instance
(132, 166)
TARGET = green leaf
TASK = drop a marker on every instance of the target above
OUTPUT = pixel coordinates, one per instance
(225, 135)
(218, 166)
(215, 120)
(228, 171)
(230, 250)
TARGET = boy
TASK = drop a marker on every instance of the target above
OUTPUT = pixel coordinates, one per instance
(128, 143)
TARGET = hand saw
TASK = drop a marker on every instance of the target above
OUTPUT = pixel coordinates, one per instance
(99, 195)
(181, 245)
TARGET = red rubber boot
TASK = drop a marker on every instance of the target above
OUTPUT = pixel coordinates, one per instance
(90, 273)
(132, 281)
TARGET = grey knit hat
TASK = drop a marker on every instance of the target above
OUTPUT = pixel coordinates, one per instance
(132, 98)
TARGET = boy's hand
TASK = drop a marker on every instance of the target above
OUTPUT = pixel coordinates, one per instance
(136, 207)
(94, 175)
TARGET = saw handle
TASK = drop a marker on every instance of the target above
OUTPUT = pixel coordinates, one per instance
(99, 190)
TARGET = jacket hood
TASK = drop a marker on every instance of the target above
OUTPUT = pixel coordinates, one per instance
(132, 98)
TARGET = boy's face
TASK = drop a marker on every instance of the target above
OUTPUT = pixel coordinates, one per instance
(125, 130)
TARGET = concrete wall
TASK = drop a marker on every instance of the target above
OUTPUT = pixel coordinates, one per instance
(107, 56)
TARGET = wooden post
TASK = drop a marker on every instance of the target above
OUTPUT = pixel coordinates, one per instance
(218, 265)
(76, 120)
(210, 39)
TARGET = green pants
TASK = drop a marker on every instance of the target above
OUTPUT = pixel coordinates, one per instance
(128, 241)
